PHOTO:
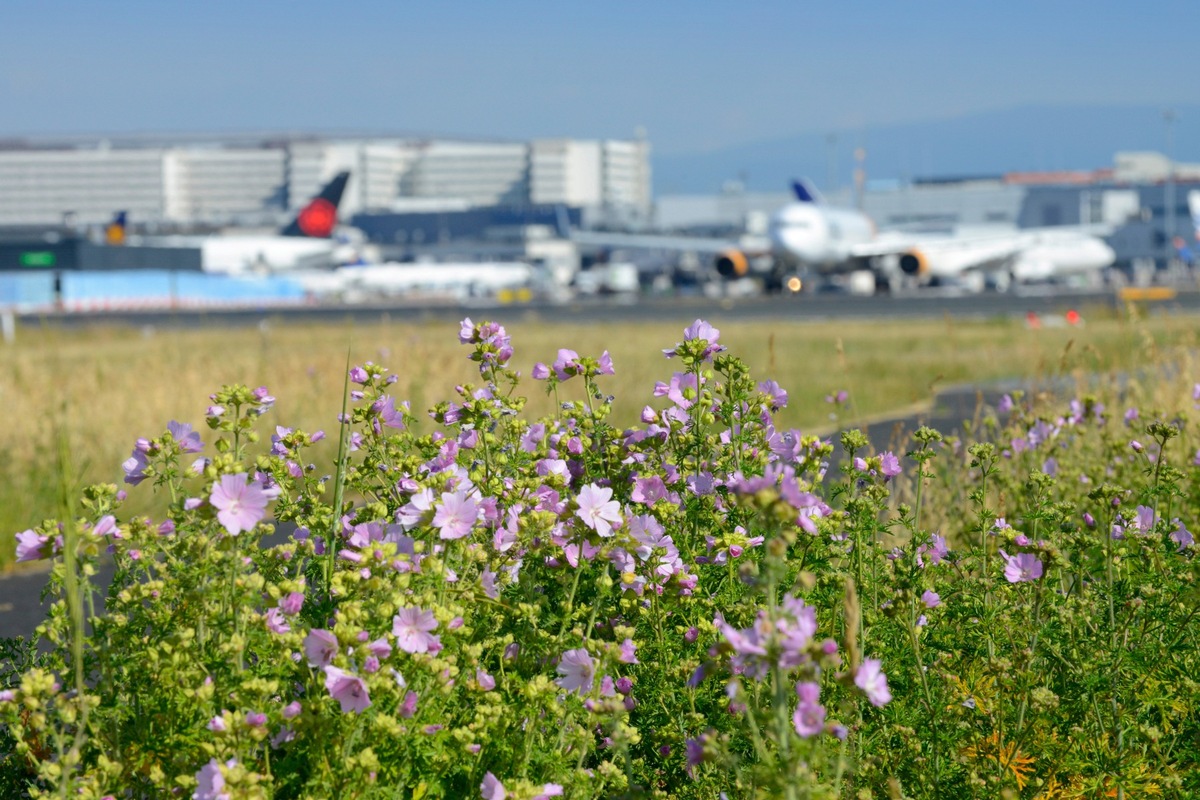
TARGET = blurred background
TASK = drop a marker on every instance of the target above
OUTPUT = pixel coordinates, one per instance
(284, 154)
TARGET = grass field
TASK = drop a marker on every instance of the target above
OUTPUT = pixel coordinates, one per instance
(104, 387)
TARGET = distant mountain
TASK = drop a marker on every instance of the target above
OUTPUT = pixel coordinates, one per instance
(1016, 139)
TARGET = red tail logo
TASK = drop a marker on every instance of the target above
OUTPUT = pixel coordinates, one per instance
(318, 218)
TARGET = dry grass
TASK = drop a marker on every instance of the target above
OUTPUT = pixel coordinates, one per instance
(107, 386)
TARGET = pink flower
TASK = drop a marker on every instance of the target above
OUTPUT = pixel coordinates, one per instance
(187, 439)
(936, 549)
(597, 509)
(347, 689)
(276, 622)
(31, 546)
(1182, 536)
(292, 603)
(1022, 568)
(455, 515)
(320, 646)
(578, 671)
(699, 330)
(873, 682)
(628, 652)
(567, 365)
(211, 781)
(240, 503)
(809, 717)
(486, 681)
(411, 628)
(492, 788)
(931, 599)
(409, 707)
(549, 790)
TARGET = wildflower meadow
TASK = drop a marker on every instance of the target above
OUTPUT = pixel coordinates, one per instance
(496, 604)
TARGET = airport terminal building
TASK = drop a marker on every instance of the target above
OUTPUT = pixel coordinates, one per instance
(261, 181)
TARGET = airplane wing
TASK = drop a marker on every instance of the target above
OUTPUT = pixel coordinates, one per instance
(635, 241)
(1053, 250)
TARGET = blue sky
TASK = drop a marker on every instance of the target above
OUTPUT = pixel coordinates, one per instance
(696, 75)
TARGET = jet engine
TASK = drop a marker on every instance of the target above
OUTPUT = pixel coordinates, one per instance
(914, 263)
(732, 264)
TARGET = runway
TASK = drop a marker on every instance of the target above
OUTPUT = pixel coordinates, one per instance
(801, 308)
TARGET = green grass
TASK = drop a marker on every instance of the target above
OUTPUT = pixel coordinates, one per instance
(107, 386)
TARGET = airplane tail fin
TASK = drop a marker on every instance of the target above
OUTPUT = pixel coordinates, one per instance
(318, 219)
(562, 221)
(805, 192)
(114, 232)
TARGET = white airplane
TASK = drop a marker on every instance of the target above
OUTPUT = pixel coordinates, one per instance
(306, 243)
(808, 235)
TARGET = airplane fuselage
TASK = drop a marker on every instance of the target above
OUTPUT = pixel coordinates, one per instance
(816, 236)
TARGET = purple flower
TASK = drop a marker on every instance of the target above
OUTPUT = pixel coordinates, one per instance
(1022, 568)
(187, 439)
(455, 515)
(347, 689)
(809, 717)
(605, 364)
(931, 599)
(936, 549)
(276, 622)
(1143, 521)
(240, 503)
(540, 372)
(597, 509)
(358, 375)
(699, 330)
(873, 682)
(486, 681)
(292, 710)
(567, 364)
(292, 603)
(255, 719)
(1182, 536)
(492, 788)
(264, 398)
(385, 407)
(628, 652)
(549, 790)
(320, 646)
(211, 781)
(578, 671)
(889, 465)
(409, 707)
(411, 627)
(31, 546)
(779, 397)
(1005, 405)
(135, 467)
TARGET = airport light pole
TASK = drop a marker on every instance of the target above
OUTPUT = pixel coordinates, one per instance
(1169, 191)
